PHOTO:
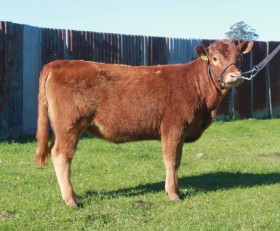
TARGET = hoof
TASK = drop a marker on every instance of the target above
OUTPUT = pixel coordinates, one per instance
(71, 203)
(176, 199)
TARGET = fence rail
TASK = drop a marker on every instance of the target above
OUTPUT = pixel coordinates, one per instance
(25, 49)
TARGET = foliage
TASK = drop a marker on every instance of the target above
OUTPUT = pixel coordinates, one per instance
(234, 186)
(241, 31)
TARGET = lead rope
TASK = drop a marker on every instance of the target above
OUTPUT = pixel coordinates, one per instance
(249, 75)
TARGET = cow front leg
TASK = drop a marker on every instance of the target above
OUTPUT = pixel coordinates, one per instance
(172, 153)
(62, 165)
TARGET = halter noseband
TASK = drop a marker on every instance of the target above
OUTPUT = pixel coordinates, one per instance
(220, 78)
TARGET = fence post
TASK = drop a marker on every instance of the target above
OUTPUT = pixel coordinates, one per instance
(251, 87)
(232, 103)
(66, 47)
(145, 51)
(268, 88)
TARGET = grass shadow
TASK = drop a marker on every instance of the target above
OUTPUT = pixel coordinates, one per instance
(20, 140)
(207, 182)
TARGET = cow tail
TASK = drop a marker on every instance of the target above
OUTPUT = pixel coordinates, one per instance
(41, 157)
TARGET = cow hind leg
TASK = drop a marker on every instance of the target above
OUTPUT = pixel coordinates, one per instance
(62, 154)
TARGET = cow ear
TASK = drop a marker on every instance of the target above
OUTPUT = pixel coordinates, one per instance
(246, 46)
(202, 52)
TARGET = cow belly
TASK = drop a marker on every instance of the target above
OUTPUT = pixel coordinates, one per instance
(123, 131)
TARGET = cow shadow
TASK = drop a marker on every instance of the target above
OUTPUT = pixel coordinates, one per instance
(207, 182)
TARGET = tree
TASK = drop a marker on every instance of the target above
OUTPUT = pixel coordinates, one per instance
(241, 31)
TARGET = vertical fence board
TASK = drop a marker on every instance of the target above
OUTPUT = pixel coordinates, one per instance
(260, 107)
(3, 106)
(15, 65)
(159, 51)
(11, 79)
(32, 65)
(274, 73)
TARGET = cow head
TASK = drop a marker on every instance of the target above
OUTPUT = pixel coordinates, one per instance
(223, 58)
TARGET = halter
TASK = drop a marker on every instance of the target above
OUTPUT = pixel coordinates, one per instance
(220, 78)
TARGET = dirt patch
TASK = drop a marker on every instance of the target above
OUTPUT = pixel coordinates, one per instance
(4, 216)
(271, 157)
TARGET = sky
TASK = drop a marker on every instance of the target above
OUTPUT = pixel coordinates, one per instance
(199, 19)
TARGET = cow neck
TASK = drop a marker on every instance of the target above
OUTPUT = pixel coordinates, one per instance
(212, 88)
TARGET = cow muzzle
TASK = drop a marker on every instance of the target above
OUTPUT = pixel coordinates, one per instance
(231, 79)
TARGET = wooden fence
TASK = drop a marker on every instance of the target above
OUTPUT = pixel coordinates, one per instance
(25, 49)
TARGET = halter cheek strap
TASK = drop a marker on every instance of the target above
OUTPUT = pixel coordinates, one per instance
(220, 78)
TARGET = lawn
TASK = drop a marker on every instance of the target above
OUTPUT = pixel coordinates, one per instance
(234, 186)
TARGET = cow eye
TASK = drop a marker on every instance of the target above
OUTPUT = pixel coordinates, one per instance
(215, 59)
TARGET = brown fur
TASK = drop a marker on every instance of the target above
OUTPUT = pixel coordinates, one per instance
(119, 103)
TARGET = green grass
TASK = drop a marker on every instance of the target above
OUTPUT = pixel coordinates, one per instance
(234, 187)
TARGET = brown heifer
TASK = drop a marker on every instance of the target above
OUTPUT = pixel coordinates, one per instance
(174, 103)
